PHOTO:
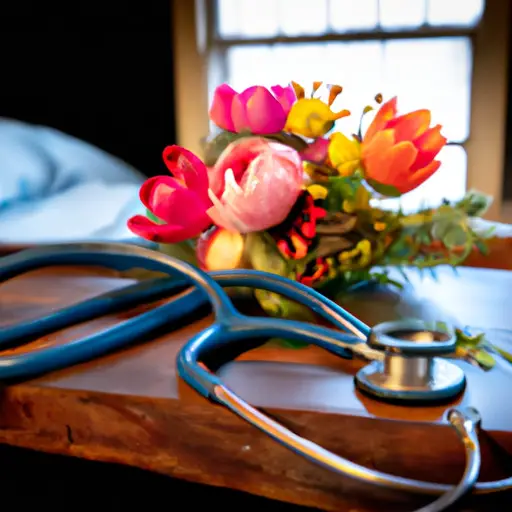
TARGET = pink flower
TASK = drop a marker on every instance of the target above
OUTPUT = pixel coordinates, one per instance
(255, 110)
(180, 202)
(254, 185)
(316, 152)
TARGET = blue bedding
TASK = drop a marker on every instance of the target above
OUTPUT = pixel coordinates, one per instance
(54, 188)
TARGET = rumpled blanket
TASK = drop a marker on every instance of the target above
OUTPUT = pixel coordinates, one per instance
(55, 188)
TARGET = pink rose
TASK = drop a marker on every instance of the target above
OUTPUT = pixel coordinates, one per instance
(255, 110)
(254, 185)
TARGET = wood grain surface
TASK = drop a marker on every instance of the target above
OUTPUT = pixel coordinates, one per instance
(130, 407)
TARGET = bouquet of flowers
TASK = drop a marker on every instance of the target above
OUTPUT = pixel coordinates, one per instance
(279, 188)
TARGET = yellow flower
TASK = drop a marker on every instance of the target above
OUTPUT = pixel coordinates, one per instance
(344, 154)
(348, 206)
(365, 247)
(312, 118)
(317, 191)
(362, 251)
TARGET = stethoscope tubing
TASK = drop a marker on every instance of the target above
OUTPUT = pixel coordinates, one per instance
(110, 256)
(57, 356)
(210, 386)
(131, 330)
(465, 428)
(230, 327)
(156, 289)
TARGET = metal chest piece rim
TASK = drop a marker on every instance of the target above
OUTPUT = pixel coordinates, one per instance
(413, 368)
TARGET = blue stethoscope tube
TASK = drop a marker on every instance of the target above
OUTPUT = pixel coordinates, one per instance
(230, 327)
(122, 257)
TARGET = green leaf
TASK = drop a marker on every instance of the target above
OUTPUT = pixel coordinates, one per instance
(400, 249)
(280, 342)
(385, 190)
(340, 188)
(362, 198)
(289, 139)
(277, 306)
(475, 203)
(455, 236)
(439, 229)
(185, 251)
(483, 358)
(503, 353)
(468, 340)
(423, 237)
(482, 247)
(264, 255)
(474, 348)
(214, 147)
(151, 216)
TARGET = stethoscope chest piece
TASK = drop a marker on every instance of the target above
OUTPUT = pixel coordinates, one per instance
(412, 368)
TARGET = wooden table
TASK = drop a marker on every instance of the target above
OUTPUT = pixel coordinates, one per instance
(131, 408)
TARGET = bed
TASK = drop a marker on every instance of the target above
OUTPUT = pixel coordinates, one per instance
(56, 188)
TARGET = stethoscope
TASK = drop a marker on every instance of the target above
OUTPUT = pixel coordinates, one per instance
(407, 357)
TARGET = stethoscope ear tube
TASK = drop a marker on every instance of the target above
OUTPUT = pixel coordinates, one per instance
(464, 421)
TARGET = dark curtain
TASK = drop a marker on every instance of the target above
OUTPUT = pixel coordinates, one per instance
(101, 71)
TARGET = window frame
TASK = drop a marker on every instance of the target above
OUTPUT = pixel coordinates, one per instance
(199, 58)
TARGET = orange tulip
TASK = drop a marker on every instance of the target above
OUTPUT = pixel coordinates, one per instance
(398, 152)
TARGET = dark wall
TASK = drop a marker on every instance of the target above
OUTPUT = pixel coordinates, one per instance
(98, 70)
(507, 179)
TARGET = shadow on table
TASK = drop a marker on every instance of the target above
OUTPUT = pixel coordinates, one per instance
(32, 479)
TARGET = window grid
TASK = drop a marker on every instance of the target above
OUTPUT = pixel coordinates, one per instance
(257, 21)
(450, 182)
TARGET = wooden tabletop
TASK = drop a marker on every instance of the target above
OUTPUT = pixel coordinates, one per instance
(131, 407)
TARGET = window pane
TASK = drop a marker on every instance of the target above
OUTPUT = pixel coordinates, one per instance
(240, 18)
(352, 15)
(397, 14)
(433, 74)
(301, 17)
(466, 13)
(269, 18)
(423, 73)
(449, 183)
(227, 18)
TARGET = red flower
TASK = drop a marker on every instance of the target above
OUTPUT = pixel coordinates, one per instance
(180, 202)
(319, 269)
(295, 236)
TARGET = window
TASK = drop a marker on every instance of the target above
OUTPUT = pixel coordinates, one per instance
(419, 50)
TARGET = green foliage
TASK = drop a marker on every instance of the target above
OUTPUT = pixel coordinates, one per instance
(474, 203)
(184, 251)
(339, 189)
(213, 148)
(264, 256)
(154, 218)
(478, 349)
(475, 349)
(385, 190)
